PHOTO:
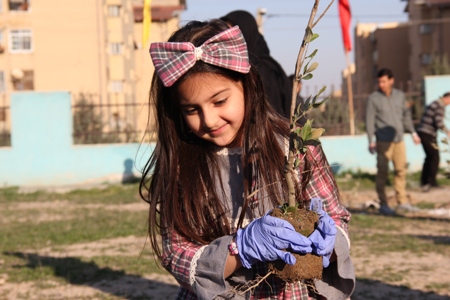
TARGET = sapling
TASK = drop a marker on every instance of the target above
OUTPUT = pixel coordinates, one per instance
(308, 266)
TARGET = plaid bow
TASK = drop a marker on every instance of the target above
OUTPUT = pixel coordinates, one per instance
(226, 49)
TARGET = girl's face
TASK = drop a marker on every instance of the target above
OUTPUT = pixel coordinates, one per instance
(213, 108)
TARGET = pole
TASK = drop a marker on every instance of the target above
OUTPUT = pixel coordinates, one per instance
(259, 19)
(350, 95)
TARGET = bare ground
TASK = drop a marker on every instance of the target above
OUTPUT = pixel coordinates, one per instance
(420, 276)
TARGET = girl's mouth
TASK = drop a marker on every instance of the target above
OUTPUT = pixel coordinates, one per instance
(217, 131)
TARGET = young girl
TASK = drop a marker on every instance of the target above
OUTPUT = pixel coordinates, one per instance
(218, 168)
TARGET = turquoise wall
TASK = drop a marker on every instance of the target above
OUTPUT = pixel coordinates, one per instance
(42, 152)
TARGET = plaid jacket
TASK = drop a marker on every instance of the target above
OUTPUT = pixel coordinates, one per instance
(180, 257)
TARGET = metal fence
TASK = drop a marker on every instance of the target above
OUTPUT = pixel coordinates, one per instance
(106, 123)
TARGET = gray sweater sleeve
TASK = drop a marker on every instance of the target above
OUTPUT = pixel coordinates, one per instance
(209, 279)
(338, 280)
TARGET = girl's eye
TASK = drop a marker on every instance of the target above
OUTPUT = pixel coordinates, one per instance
(220, 102)
(190, 111)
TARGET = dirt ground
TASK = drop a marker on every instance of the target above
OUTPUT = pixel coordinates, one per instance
(424, 271)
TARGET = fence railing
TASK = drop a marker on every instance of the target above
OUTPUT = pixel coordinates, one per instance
(97, 123)
(102, 123)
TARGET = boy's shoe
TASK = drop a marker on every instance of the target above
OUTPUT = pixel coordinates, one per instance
(405, 208)
(386, 210)
(426, 187)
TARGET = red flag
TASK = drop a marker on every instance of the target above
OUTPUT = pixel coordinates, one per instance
(345, 16)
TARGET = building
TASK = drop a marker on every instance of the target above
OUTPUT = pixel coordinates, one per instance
(412, 49)
(429, 23)
(92, 48)
(380, 46)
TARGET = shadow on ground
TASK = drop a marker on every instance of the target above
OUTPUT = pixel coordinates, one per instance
(373, 289)
(107, 280)
(120, 284)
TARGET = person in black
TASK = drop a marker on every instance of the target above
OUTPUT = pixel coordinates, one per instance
(432, 120)
(276, 84)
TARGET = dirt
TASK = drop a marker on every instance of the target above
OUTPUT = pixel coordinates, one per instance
(307, 266)
(423, 276)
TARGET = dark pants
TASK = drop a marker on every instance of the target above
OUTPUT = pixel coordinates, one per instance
(431, 163)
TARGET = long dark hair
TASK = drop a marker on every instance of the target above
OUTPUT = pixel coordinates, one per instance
(180, 176)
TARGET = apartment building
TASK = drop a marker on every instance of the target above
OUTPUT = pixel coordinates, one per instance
(407, 48)
(90, 47)
(380, 46)
(429, 23)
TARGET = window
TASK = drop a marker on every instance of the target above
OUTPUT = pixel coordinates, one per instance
(116, 86)
(19, 5)
(2, 82)
(116, 48)
(375, 55)
(24, 82)
(114, 10)
(425, 28)
(20, 40)
(2, 42)
(426, 59)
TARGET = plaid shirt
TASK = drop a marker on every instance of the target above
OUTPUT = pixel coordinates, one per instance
(178, 253)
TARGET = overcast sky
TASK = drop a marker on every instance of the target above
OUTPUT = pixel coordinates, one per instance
(284, 26)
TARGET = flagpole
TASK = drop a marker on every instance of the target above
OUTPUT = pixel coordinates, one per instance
(350, 94)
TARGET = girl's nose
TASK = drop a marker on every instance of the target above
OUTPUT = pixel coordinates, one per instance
(209, 119)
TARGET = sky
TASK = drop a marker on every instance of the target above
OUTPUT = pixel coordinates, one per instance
(285, 22)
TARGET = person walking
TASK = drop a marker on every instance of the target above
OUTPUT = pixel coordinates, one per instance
(388, 118)
(432, 120)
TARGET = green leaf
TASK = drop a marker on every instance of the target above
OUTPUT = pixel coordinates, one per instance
(306, 130)
(306, 67)
(291, 209)
(313, 37)
(308, 34)
(312, 54)
(313, 67)
(307, 77)
(320, 92)
(316, 133)
(317, 105)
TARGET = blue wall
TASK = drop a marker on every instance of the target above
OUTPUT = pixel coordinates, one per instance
(42, 152)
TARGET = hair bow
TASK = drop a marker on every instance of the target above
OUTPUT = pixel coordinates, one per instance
(226, 49)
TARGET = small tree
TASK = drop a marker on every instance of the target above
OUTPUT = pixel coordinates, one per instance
(87, 125)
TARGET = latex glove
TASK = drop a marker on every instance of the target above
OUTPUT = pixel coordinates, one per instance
(265, 238)
(324, 236)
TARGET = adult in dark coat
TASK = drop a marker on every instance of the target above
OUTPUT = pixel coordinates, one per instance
(276, 84)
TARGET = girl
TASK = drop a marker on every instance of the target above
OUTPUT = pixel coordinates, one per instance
(218, 167)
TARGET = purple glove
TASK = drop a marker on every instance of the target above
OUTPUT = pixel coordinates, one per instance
(265, 238)
(323, 238)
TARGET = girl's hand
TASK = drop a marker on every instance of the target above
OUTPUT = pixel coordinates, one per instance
(265, 239)
(323, 238)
